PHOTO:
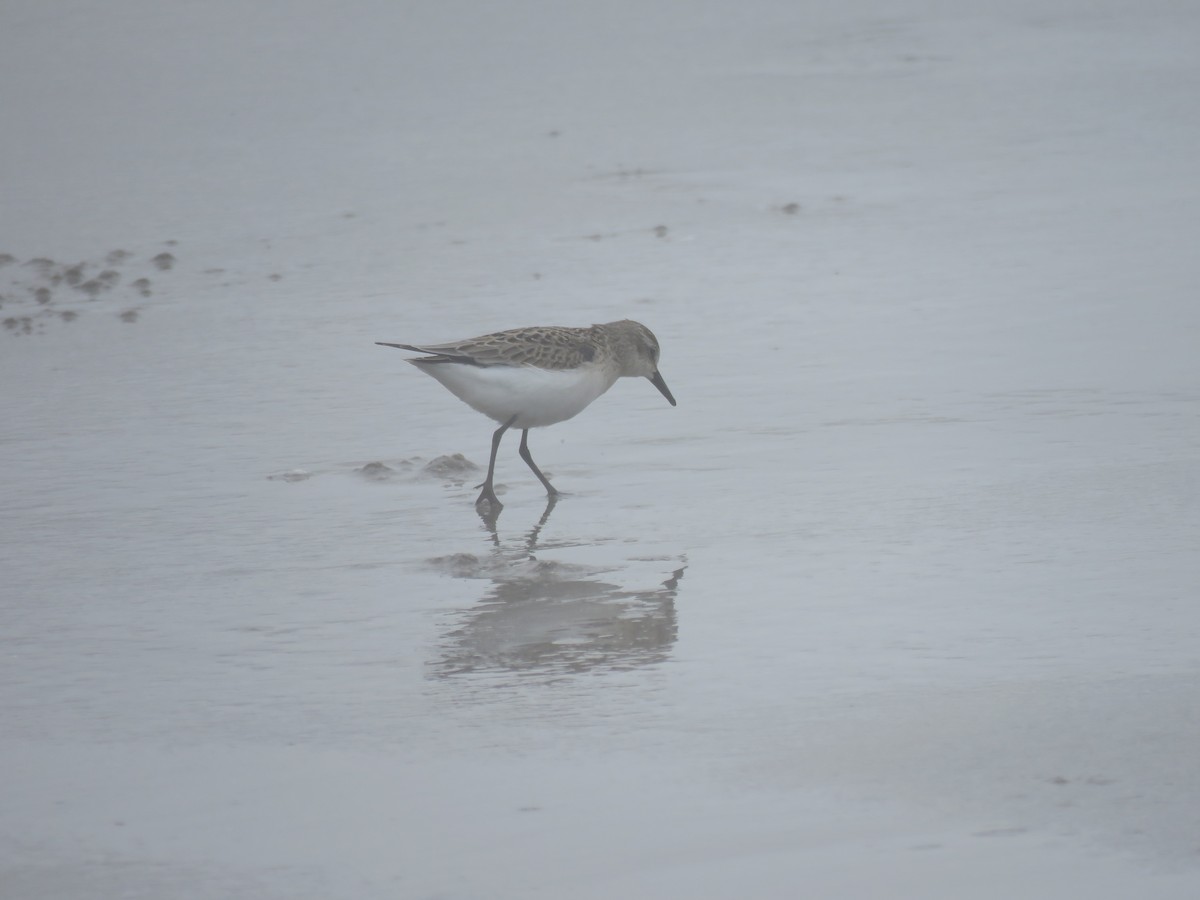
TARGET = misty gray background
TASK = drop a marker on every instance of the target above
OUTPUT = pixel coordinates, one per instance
(899, 601)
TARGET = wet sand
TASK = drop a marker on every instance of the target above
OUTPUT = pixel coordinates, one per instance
(898, 601)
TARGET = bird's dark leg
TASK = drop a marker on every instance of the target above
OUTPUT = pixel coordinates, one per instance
(488, 494)
(525, 455)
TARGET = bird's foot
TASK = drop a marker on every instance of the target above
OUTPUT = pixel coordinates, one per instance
(488, 502)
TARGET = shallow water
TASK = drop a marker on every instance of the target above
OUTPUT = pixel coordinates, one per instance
(900, 597)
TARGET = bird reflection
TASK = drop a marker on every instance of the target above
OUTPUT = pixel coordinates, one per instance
(489, 514)
(556, 616)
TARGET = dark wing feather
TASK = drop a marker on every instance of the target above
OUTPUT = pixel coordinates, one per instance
(440, 353)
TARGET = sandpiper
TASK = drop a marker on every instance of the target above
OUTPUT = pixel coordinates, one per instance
(532, 377)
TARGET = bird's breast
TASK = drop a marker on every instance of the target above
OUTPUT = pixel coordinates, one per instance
(537, 397)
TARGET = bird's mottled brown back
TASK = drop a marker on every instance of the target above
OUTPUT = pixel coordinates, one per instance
(547, 347)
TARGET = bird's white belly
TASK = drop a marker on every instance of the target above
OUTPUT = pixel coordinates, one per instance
(535, 396)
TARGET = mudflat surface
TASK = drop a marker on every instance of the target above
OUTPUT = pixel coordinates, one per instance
(899, 601)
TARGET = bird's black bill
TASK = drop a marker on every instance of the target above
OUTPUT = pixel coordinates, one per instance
(657, 380)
